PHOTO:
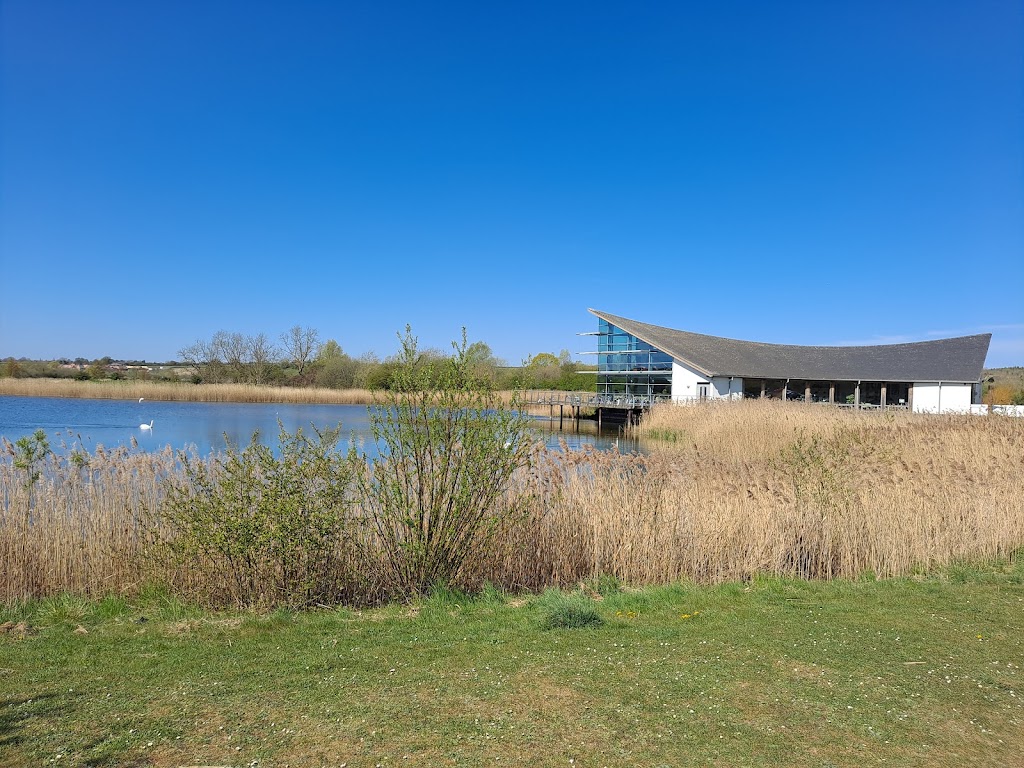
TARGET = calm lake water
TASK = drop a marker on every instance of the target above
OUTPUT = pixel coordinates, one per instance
(203, 426)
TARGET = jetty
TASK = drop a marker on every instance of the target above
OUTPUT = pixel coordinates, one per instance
(606, 409)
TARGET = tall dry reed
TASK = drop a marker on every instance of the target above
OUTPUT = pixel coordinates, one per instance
(183, 391)
(737, 489)
(740, 490)
(82, 526)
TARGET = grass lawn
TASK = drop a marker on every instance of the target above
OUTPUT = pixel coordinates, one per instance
(911, 672)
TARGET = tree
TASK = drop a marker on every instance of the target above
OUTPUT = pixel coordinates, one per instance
(11, 368)
(261, 357)
(541, 360)
(301, 345)
(233, 350)
(206, 359)
(483, 361)
(333, 368)
(232, 357)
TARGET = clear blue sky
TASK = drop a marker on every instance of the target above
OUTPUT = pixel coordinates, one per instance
(805, 173)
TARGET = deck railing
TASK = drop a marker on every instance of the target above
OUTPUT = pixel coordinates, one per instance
(590, 399)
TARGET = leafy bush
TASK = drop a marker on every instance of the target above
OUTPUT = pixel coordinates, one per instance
(448, 451)
(274, 527)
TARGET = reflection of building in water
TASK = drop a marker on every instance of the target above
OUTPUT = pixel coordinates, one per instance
(648, 362)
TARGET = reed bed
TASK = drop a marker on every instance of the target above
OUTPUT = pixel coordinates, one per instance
(183, 392)
(725, 494)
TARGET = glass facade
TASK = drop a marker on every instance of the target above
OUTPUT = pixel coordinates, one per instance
(630, 368)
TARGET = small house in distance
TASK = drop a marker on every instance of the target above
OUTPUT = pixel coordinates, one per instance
(643, 363)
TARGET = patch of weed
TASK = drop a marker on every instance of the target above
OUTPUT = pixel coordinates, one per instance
(568, 611)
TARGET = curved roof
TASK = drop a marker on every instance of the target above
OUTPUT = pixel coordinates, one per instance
(959, 359)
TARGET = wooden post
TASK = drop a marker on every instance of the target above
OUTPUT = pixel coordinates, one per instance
(883, 394)
(832, 392)
(856, 396)
(807, 391)
(762, 389)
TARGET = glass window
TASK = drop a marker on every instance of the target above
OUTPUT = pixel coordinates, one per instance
(819, 391)
(845, 392)
(626, 365)
(871, 393)
(797, 390)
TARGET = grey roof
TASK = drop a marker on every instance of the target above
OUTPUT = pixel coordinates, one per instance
(959, 359)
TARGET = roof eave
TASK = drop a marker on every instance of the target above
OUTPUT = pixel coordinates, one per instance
(679, 358)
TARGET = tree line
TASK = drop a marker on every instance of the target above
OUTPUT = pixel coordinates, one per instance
(299, 357)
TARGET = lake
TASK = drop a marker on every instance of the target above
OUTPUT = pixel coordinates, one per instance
(81, 423)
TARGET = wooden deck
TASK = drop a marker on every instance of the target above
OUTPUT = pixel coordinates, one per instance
(607, 409)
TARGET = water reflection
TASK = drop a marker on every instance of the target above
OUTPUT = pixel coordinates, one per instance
(577, 434)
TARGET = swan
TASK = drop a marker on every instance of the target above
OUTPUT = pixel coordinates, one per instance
(141, 399)
(146, 426)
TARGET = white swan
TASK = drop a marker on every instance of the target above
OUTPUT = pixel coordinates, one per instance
(141, 399)
(146, 426)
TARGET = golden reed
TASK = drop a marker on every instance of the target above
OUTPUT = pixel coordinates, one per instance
(182, 391)
(725, 492)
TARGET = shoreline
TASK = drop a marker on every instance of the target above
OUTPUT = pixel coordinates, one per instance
(200, 393)
(183, 392)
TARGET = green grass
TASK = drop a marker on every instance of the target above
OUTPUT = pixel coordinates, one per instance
(914, 672)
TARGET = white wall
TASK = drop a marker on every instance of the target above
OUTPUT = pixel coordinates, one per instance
(685, 381)
(724, 386)
(930, 397)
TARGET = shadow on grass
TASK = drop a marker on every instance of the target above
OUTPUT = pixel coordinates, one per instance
(14, 712)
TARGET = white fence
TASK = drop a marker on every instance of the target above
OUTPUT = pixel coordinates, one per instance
(1003, 410)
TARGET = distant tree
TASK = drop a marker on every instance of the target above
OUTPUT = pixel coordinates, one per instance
(482, 362)
(232, 357)
(10, 368)
(261, 356)
(300, 346)
(366, 366)
(233, 349)
(542, 360)
(206, 359)
(479, 352)
(333, 368)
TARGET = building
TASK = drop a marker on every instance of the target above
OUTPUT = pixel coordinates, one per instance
(643, 363)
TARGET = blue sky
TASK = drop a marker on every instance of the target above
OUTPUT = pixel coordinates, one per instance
(804, 173)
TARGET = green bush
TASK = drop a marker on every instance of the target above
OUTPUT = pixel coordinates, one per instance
(448, 450)
(267, 529)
